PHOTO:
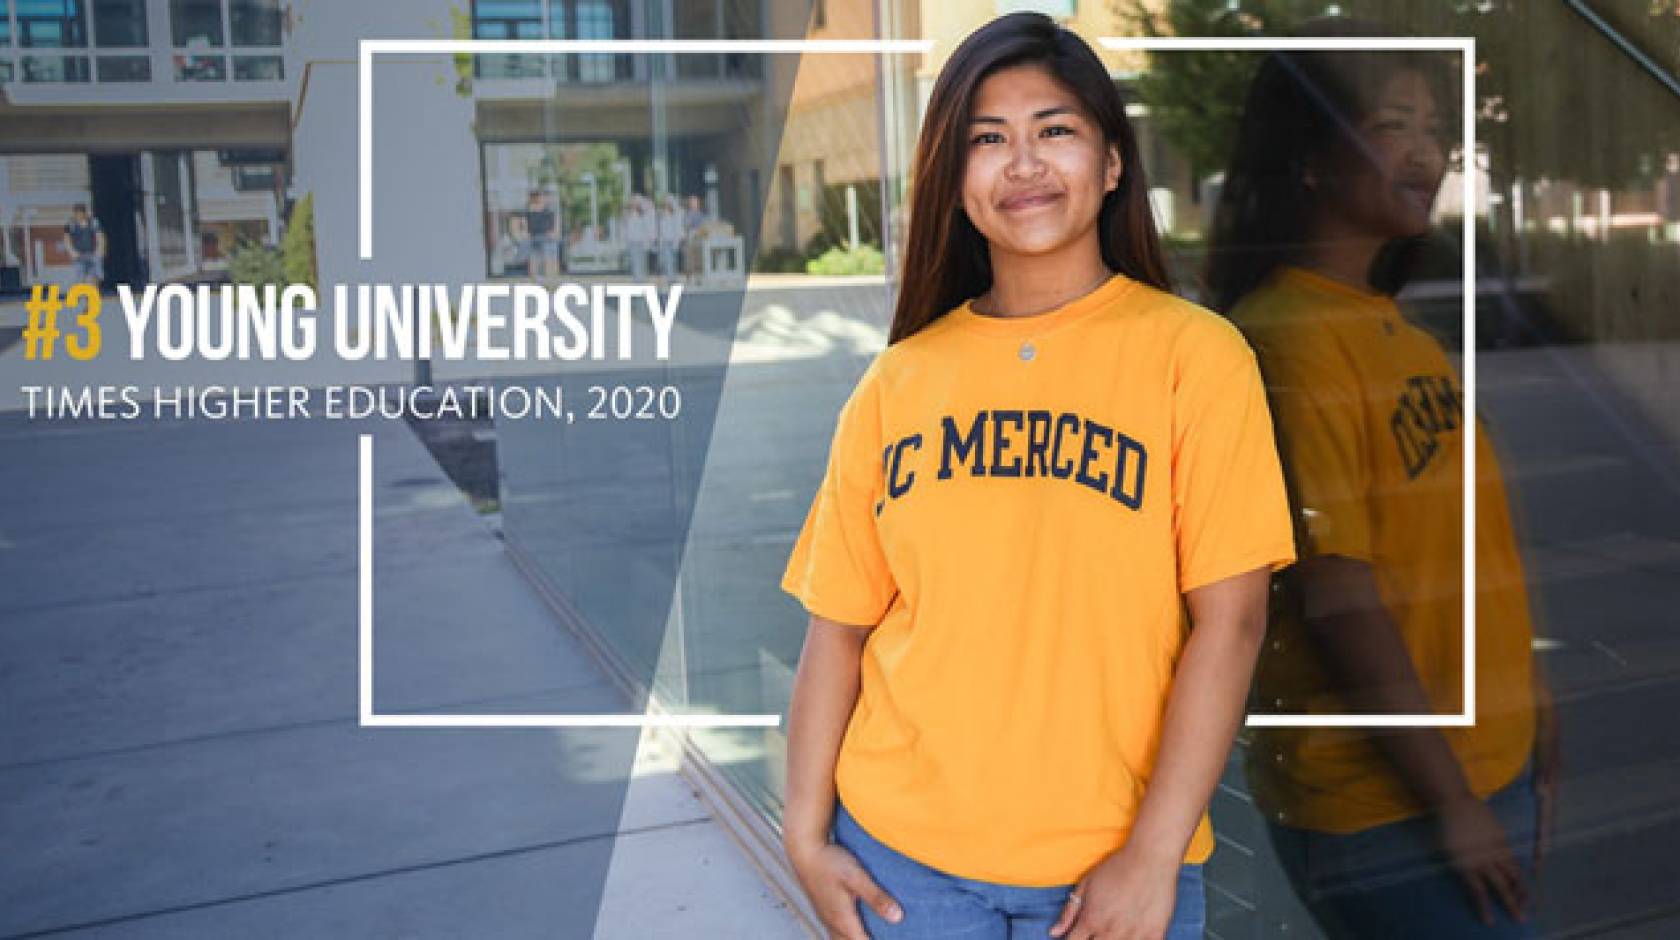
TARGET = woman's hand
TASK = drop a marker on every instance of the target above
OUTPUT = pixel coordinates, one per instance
(1481, 855)
(1128, 896)
(835, 882)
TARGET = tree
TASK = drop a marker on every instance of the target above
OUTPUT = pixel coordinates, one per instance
(1196, 98)
(1535, 65)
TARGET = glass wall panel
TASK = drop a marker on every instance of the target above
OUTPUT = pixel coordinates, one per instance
(791, 266)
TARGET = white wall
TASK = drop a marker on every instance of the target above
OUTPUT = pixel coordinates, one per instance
(427, 207)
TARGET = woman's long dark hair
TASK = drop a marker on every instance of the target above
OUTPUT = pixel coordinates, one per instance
(1301, 114)
(946, 260)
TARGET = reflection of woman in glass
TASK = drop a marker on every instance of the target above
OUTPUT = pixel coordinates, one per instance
(1415, 832)
(1037, 564)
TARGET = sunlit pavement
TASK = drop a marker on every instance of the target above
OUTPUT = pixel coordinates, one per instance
(181, 749)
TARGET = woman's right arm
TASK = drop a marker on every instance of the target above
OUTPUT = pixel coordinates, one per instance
(825, 690)
(1346, 620)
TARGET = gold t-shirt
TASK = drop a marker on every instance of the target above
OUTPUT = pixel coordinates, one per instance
(1370, 420)
(1018, 505)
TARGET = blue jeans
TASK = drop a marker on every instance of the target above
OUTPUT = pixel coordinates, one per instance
(1390, 881)
(90, 269)
(942, 906)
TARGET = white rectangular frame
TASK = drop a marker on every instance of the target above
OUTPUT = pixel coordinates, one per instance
(1466, 47)
(369, 48)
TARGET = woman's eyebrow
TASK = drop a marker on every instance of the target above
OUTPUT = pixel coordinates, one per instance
(1036, 115)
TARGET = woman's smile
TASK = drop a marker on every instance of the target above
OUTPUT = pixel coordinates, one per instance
(1026, 202)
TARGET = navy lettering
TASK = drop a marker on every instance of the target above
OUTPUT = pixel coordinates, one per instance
(1038, 443)
(1093, 430)
(1001, 441)
(1098, 457)
(963, 446)
(1064, 422)
(1130, 495)
(895, 489)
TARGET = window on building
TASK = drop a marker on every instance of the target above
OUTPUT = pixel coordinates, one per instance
(196, 24)
(508, 19)
(257, 68)
(595, 21)
(200, 68)
(52, 24)
(125, 68)
(199, 26)
(119, 24)
(254, 22)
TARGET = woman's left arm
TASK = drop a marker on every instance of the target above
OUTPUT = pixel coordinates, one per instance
(1132, 892)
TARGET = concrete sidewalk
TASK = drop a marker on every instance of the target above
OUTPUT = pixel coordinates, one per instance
(180, 755)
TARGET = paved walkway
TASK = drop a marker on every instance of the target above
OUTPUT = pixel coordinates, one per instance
(179, 754)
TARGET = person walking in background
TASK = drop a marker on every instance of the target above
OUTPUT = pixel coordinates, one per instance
(670, 234)
(541, 226)
(639, 234)
(694, 217)
(84, 239)
(1412, 831)
(1037, 565)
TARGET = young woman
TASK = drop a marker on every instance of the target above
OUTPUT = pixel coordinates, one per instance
(1416, 832)
(1037, 565)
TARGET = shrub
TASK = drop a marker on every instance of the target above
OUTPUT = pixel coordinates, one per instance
(297, 249)
(778, 261)
(254, 263)
(865, 259)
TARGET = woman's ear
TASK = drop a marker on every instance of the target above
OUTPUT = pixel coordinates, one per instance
(1113, 167)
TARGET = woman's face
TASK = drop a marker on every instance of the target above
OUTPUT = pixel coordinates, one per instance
(1037, 167)
(1396, 175)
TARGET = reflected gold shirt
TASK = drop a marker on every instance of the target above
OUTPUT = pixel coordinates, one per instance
(1371, 423)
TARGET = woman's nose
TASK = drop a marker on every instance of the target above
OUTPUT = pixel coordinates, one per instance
(1426, 149)
(1024, 160)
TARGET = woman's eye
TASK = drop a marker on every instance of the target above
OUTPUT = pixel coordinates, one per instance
(989, 137)
(1057, 130)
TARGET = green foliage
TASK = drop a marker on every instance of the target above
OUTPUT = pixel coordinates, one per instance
(297, 249)
(1537, 64)
(1196, 98)
(460, 27)
(565, 167)
(778, 261)
(255, 263)
(833, 227)
(865, 259)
